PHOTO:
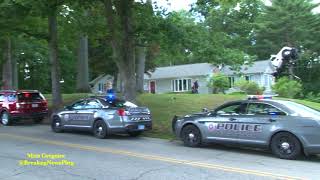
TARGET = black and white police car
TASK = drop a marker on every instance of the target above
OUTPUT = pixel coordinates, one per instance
(287, 128)
(103, 117)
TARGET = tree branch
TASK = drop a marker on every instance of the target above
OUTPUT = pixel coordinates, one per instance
(30, 33)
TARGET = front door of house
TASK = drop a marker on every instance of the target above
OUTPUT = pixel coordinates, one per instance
(153, 87)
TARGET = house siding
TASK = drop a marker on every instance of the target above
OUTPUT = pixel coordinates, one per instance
(165, 85)
(265, 80)
(259, 72)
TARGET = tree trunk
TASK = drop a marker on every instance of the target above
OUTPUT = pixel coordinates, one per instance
(83, 66)
(122, 42)
(7, 71)
(290, 70)
(141, 62)
(54, 62)
(15, 81)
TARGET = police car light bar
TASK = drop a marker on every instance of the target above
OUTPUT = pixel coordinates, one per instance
(259, 97)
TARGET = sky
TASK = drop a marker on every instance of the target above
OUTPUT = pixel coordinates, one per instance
(176, 5)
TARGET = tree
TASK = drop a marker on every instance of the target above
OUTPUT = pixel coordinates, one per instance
(291, 24)
(11, 15)
(52, 9)
(229, 26)
(49, 9)
(219, 82)
(119, 17)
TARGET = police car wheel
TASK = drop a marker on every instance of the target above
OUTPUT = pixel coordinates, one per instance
(5, 118)
(191, 136)
(56, 124)
(286, 146)
(100, 129)
(134, 133)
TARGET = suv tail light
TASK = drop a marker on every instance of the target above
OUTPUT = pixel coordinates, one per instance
(45, 103)
(121, 112)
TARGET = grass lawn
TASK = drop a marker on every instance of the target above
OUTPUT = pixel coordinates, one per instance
(307, 103)
(164, 106)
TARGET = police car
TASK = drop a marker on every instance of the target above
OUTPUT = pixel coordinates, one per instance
(287, 128)
(103, 117)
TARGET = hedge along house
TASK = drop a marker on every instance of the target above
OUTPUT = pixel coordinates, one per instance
(180, 78)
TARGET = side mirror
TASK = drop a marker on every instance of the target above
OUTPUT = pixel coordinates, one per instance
(205, 110)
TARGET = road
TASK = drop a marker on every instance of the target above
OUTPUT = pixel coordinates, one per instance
(126, 158)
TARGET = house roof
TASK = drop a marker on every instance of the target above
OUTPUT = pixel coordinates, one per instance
(94, 81)
(203, 69)
(186, 70)
(254, 68)
(97, 79)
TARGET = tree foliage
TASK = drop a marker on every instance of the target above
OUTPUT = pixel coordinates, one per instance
(214, 31)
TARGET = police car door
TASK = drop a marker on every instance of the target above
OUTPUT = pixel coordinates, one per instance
(70, 114)
(257, 127)
(85, 115)
(221, 126)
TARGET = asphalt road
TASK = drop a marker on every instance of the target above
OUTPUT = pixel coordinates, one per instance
(82, 156)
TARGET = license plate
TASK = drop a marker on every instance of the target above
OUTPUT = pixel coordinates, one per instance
(140, 127)
(35, 105)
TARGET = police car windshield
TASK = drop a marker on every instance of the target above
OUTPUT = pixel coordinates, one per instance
(302, 110)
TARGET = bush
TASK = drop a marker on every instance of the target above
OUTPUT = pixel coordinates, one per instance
(219, 83)
(249, 87)
(287, 88)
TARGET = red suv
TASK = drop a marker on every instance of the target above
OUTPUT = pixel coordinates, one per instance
(22, 104)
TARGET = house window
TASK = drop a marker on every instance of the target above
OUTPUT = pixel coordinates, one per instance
(247, 78)
(181, 85)
(99, 88)
(231, 82)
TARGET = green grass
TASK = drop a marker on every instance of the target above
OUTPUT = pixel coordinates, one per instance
(164, 106)
(305, 102)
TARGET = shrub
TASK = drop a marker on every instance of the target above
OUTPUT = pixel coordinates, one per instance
(219, 83)
(249, 87)
(287, 88)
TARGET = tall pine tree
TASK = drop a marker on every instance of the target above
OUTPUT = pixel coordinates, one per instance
(291, 23)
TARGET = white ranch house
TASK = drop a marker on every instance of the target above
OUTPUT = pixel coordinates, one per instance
(180, 78)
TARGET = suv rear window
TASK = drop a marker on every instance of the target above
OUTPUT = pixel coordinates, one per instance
(30, 97)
